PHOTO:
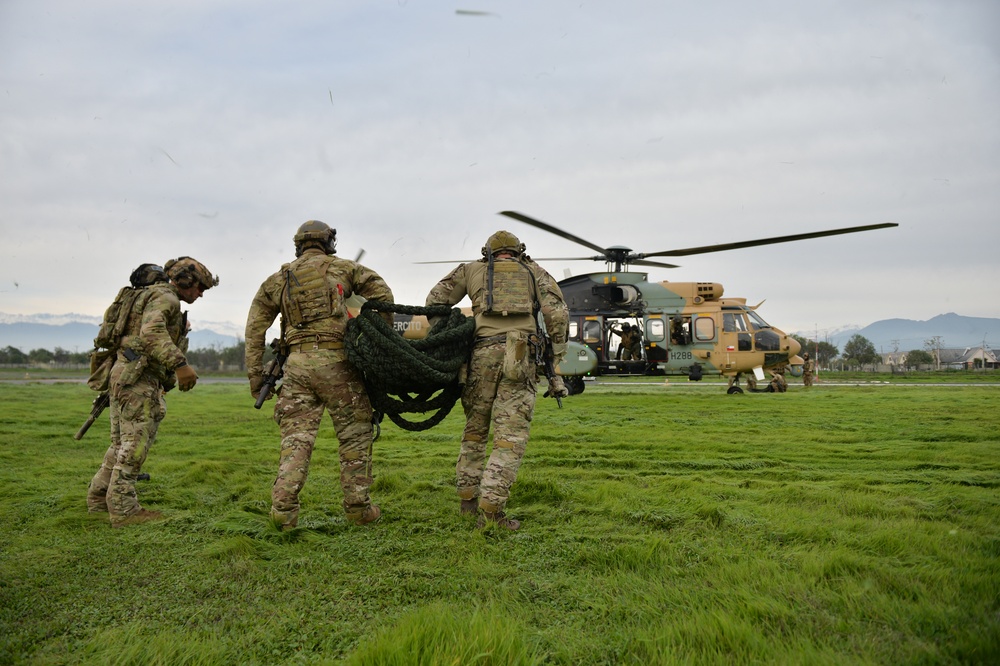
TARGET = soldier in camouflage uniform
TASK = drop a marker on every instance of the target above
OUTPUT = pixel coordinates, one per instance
(807, 370)
(626, 343)
(778, 382)
(507, 289)
(635, 344)
(150, 360)
(310, 294)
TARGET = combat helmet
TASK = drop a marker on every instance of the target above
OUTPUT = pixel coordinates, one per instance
(185, 272)
(315, 232)
(503, 240)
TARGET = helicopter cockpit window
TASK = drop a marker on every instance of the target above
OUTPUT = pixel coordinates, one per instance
(756, 322)
(704, 328)
(733, 322)
(767, 341)
(655, 330)
(574, 331)
(591, 331)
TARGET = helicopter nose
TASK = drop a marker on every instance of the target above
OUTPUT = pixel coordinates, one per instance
(794, 347)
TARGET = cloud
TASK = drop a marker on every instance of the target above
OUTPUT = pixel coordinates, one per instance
(134, 134)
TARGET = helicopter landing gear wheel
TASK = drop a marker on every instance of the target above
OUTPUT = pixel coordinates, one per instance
(574, 385)
(732, 390)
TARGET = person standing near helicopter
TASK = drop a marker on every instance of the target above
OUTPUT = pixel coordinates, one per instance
(511, 297)
(635, 347)
(627, 342)
(309, 293)
(807, 370)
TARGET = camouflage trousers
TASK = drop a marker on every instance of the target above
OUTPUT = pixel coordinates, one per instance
(314, 381)
(135, 413)
(807, 378)
(491, 398)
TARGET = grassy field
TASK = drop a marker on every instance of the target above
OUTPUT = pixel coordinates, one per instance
(661, 525)
(43, 374)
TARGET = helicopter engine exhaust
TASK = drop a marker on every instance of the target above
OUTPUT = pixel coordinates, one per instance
(624, 294)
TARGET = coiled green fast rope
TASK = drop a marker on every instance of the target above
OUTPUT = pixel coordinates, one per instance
(410, 376)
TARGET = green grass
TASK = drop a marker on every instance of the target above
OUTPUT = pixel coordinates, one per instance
(662, 524)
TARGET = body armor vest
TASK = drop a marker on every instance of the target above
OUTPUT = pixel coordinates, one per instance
(509, 289)
(308, 295)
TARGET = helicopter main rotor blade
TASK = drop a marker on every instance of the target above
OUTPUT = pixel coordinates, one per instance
(568, 258)
(658, 264)
(764, 241)
(553, 230)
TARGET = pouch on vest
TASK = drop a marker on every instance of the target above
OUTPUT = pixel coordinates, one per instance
(101, 362)
(309, 297)
(133, 370)
(518, 357)
(512, 292)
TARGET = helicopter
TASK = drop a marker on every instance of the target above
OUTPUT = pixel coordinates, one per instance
(686, 328)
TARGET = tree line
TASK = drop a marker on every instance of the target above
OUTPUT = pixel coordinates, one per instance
(228, 358)
(860, 352)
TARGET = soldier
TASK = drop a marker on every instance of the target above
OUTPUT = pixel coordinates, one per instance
(778, 382)
(626, 344)
(807, 371)
(310, 294)
(150, 360)
(678, 331)
(507, 290)
(635, 345)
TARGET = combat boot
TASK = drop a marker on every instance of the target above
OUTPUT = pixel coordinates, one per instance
(369, 515)
(142, 516)
(470, 505)
(498, 517)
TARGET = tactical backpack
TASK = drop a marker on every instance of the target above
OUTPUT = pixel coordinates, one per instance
(118, 319)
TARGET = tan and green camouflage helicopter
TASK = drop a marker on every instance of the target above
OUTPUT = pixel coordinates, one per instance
(688, 328)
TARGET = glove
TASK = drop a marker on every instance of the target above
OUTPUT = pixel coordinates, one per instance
(186, 377)
(556, 388)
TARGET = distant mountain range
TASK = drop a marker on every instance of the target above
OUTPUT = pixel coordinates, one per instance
(76, 332)
(905, 335)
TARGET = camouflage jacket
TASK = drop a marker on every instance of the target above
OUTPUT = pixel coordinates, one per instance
(159, 333)
(469, 280)
(344, 278)
(628, 338)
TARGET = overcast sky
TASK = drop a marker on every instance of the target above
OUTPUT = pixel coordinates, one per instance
(134, 132)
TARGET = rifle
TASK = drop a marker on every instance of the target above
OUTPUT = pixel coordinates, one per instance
(101, 403)
(548, 356)
(273, 371)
